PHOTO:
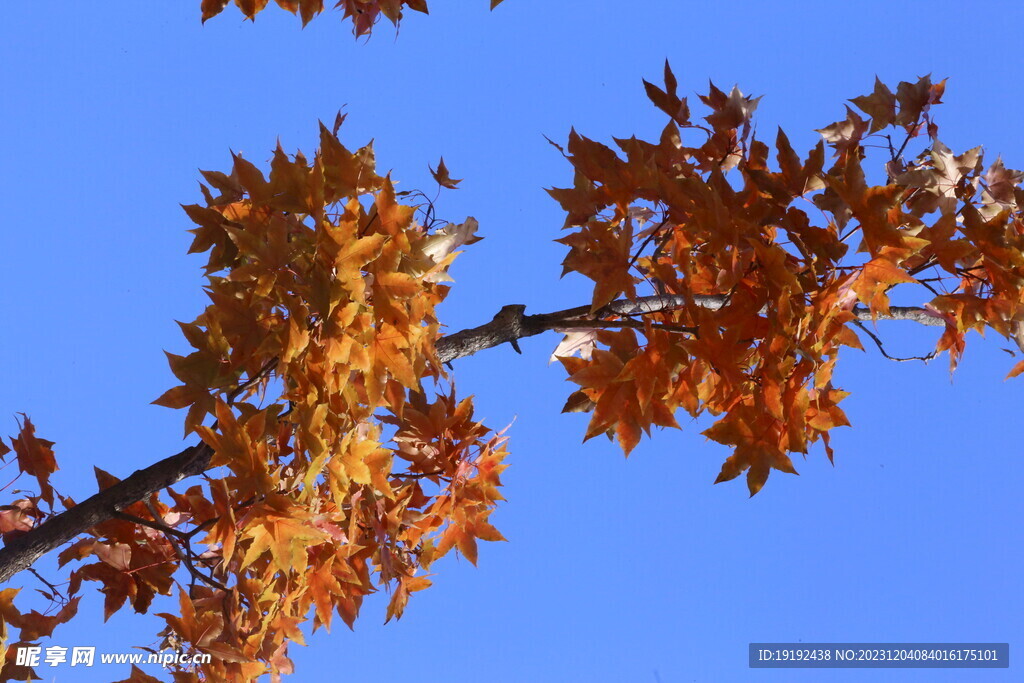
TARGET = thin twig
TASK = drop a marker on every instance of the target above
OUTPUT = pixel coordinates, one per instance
(267, 368)
(881, 348)
(647, 241)
(54, 590)
(163, 528)
(186, 556)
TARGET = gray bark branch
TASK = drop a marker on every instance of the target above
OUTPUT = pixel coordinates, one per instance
(511, 323)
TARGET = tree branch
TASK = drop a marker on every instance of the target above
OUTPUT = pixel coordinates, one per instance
(509, 325)
(23, 551)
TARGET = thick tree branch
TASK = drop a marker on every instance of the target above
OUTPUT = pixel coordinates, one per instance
(23, 551)
(509, 325)
(921, 316)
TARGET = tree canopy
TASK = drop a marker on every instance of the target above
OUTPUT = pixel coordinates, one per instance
(331, 456)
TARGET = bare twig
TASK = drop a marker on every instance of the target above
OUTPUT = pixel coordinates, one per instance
(163, 528)
(267, 368)
(53, 589)
(186, 556)
(881, 348)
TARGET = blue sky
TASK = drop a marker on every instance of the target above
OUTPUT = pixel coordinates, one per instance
(615, 570)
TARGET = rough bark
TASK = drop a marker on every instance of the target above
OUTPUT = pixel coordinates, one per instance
(23, 551)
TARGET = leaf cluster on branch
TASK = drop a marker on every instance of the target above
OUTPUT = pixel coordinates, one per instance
(711, 218)
(335, 457)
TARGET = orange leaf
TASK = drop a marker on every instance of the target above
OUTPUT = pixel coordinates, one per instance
(1017, 369)
(35, 458)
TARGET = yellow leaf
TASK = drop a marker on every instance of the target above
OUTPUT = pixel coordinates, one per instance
(354, 460)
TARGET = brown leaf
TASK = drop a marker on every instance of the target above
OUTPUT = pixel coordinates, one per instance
(845, 136)
(913, 98)
(139, 676)
(667, 100)
(211, 8)
(35, 458)
(879, 105)
(442, 176)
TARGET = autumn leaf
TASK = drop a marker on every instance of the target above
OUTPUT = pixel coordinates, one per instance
(579, 340)
(667, 100)
(17, 518)
(139, 676)
(443, 178)
(880, 106)
(845, 136)
(35, 458)
(285, 538)
(211, 8)
(334, 463)
(1016, 370)
(876, 278)
(400, 597)
(438, 246)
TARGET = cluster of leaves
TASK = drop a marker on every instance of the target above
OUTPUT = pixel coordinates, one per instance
(35, 458)
(333, 472)
(363, 13)
(341, 460)
(773, 248)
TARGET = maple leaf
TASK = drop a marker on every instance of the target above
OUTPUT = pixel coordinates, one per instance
(667, 100)
(845, 136)
(442, 245)
(285, 538)
(35, 458)
(442, 176)
(755, 437)
(17, 518)
(309, 9)
(601, 251)
(876, 277)
(35, 625)
(199, 628)
(400, 597)
(580, 340)
(117, 555)
(943, 178)
(729, 111)
(914, 99)
(880, 105)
